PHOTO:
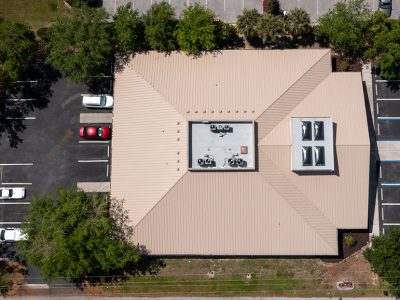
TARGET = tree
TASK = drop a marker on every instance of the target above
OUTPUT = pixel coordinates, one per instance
(196, 30)
(227, 36)
(384, 257)
(129, 29)
(344, 27)
(269, 28)
(77, 236)
(80, 45)
(160, 22)
(298, 23)
(383, 38)
(17, 50)
(274, 7)
(247, 24)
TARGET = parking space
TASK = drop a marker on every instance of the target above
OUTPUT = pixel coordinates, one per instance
(387, 127)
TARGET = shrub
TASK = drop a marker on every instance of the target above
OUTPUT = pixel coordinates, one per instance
(349, 239)
(83, 3)
(344, 66)
(247, 24)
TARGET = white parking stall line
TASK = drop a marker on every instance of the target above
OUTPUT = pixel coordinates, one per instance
(19, 164)
(108, 151)
(376, 89)
(380, 169)
(27, 81)
(10, 223)
(16, 183)
(382, 80)
(390, 204)
(94, 142)
(379, 130)
(108, 167)
(14, 203)
(20, 99)
(390, 184)
(93, 160)
(381, 193)
(23, 118)
(388, 99)
(377, 108)
(383, 216)
(391, 224)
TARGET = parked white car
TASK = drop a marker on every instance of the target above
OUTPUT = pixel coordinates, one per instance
(97, 101)
(12, 193)
(10, 235)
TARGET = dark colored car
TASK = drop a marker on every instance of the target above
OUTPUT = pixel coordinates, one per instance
(95, 132)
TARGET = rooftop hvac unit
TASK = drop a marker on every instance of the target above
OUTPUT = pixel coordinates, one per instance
(306, 130)
(240, 162)
(231, 161)
(319, 130)
(201, 162)
(307, 156)
(320, 156)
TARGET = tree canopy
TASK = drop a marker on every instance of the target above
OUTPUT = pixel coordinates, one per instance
(160, 22)
(344, 27)
(270, 28)
(384, 257)
(77, 236)
(80, 45)
(129, 29)
(298, 23)
(17, 50)
(247, 23)
(196, 30)
(384, 40)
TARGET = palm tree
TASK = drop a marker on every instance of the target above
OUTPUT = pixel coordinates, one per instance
(247, 23)
(298, 23)
(269, 28)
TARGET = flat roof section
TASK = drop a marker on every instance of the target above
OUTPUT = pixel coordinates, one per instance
(221, 145)
(312, 144)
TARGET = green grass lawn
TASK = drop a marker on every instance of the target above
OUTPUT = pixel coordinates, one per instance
(36, 13)
(270, 277)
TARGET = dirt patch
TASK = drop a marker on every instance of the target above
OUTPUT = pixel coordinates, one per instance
(356, 269)
(13, 276)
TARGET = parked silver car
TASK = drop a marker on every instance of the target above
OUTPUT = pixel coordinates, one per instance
(385, 6)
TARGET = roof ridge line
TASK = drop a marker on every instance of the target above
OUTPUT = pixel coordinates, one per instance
(311, 204)
(328, 52)
(162, 198)
(158, 92)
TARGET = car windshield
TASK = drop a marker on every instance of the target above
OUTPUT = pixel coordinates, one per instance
(99, 131)
(103, 100)
(2, 235)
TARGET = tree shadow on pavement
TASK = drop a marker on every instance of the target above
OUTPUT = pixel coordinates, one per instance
(31, 93)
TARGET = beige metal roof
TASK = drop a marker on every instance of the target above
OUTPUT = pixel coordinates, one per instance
(269, 211)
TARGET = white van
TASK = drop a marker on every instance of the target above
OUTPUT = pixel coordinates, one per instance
(97, 101)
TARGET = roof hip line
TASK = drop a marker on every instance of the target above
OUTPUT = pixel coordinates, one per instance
(300, 204)
(297, 92)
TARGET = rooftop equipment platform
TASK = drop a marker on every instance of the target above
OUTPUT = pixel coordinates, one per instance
(221, 145)
(312, 144)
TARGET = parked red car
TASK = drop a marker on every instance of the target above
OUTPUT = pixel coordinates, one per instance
(95, 132)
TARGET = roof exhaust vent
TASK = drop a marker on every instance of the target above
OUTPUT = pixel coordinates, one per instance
(200, 161)
(240, 162)
(231, 161)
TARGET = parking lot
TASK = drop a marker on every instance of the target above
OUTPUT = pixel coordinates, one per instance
(387, 126)
(42, 151)
(228, 10)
